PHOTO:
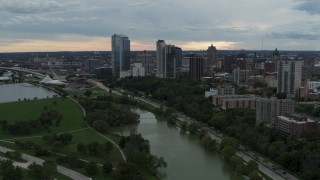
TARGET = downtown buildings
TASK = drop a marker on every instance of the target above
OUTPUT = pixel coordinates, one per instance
(120, 55)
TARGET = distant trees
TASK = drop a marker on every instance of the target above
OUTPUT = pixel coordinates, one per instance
(104, 112)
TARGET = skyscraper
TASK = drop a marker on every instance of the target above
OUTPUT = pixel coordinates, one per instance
(120, 55)
(212, 57)
(161, 55)
(169, 58)
(289, 76)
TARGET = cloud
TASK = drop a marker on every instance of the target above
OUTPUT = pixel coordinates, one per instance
(310, 6)
(140, 4)
(238, 24)
(295, 35)
(35, 6)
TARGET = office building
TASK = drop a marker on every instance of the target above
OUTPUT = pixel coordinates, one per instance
(289, 76)
(120, 55)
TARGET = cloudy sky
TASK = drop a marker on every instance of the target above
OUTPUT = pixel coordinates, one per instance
(77, 25)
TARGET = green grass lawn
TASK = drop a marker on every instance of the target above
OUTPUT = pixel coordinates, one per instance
(27, 110)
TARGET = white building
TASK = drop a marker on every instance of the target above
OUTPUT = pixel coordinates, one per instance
(212, 92)
(137, 69)
(313, 86)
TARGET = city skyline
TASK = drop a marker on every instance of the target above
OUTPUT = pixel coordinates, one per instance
(78, 25)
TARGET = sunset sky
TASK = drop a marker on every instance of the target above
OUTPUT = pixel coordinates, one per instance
(83, 25)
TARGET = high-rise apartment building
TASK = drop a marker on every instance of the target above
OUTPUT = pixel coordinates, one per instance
(289, 76)
(267, 110)
(120, 55)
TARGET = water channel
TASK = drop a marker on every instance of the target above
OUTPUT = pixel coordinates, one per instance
(14, 92)
(186, 158)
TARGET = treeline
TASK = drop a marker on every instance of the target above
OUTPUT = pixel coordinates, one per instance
(108, 111)
(186, 95)
(49, 117)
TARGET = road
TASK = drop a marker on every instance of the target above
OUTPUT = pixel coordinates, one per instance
(266, 168)
(31, 159)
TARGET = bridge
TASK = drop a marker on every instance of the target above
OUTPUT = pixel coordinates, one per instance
(34, 72)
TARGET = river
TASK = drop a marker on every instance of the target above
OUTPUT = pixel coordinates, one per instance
(14, 92)
(187, 159)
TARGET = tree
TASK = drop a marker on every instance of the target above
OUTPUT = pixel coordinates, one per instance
(127, 171)
(193, 127)
(227, 152)
(36, 172)
(87, 93)
(93, 148)
(254, 176)
(9, 172)
(107, 168)
(91, 168)
(65, 138)
(229, 141)
(82, 148)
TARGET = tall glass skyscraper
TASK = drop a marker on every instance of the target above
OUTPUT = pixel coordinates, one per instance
(169, 59)
(120, 55)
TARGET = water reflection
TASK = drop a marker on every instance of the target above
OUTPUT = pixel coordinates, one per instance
(186, 157)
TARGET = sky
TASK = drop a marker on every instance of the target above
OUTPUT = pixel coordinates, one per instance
(87, 25)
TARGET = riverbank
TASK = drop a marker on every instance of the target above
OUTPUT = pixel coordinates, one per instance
(264, 167)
